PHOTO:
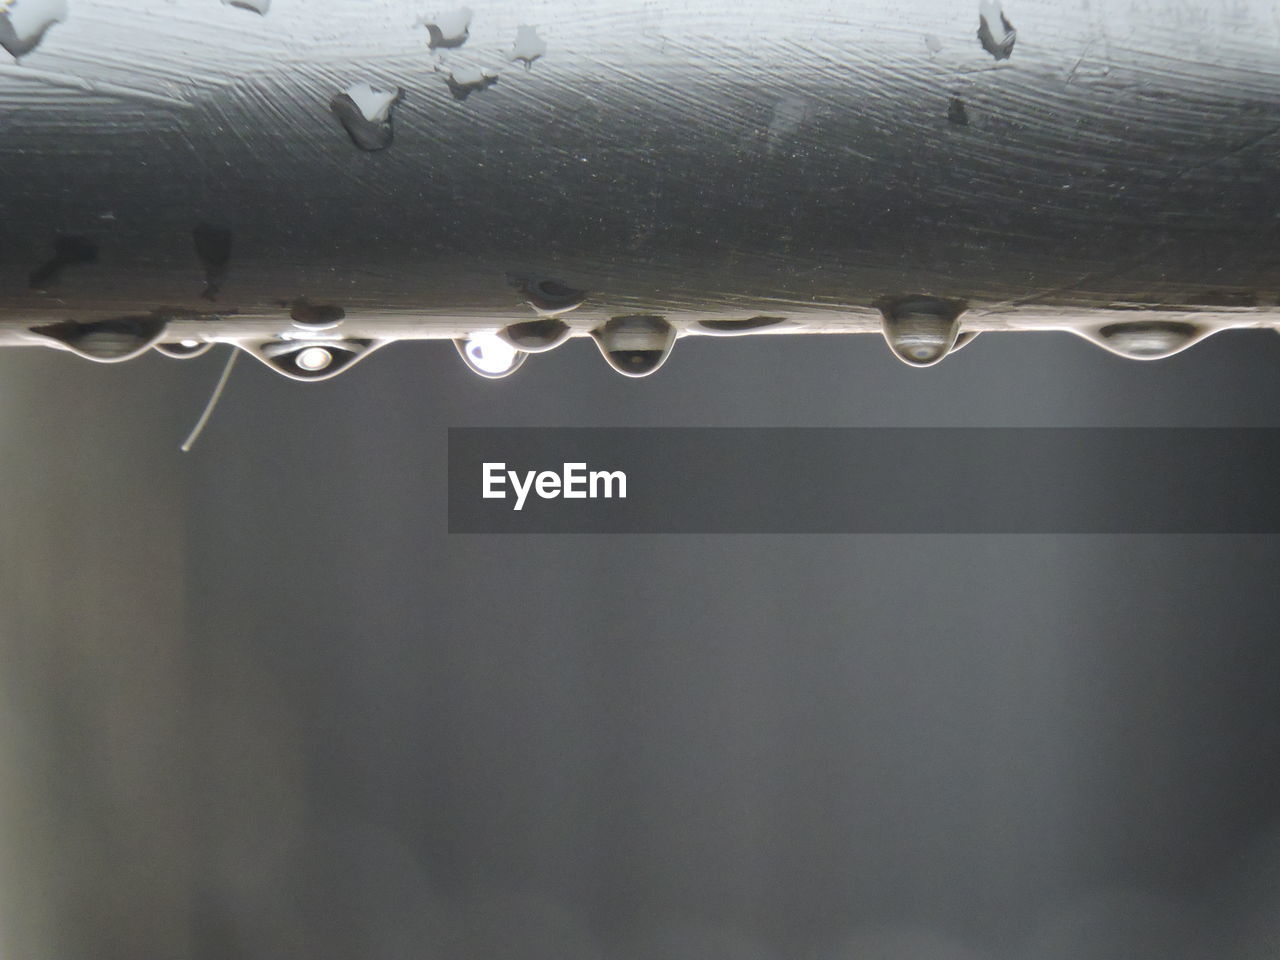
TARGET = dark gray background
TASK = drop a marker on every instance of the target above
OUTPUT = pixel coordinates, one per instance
(254, 702)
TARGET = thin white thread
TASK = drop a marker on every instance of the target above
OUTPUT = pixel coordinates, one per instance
(213, 401)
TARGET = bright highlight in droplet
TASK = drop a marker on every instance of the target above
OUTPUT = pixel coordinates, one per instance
(313, 359)
(490, 354)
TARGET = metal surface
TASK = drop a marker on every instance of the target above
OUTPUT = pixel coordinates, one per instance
(348, 175)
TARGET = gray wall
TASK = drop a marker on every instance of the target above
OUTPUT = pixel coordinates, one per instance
(256, 703)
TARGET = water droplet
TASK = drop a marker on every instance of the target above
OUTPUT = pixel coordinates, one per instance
(23, 23)
(740, 326)
(465, 81)
(956, 112)
(995, 32)
(213, 247)
(920, 329)
(184, 349)
(450, 29)
(528, 46)
(637, 345)
(257, 6)
(1147, 339)
(365, 112)
(548, 297)
(315, 316)
(786, 117)
(536, 336)
(312, 361)
(490, 356)
(933, 43)
(106, 341)
(68, 251)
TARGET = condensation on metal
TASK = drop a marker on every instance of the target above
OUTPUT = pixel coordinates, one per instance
(1114, 175)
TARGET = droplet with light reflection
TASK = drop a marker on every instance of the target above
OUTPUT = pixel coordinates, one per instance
(1147, 339)
(489, 355)
(635, 346)
(921, 330)
(313, 359)
(536, 336)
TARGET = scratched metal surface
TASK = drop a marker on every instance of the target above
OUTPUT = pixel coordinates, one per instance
(701, 160)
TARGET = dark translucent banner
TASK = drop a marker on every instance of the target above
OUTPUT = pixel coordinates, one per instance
(864, 480)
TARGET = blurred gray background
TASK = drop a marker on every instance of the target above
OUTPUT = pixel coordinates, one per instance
(255, 702)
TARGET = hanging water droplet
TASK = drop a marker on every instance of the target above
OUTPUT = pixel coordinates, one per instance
(536, 336)
(489, 355)
(23, 23)
(528, 46)
(468, 80)
(637, 345)
(365, 112)
(1147, 339)
(450, 29)
(257, 6)
(213, 248)
(919, 329)
(317, 360)
(106, 341)
(995, 32)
